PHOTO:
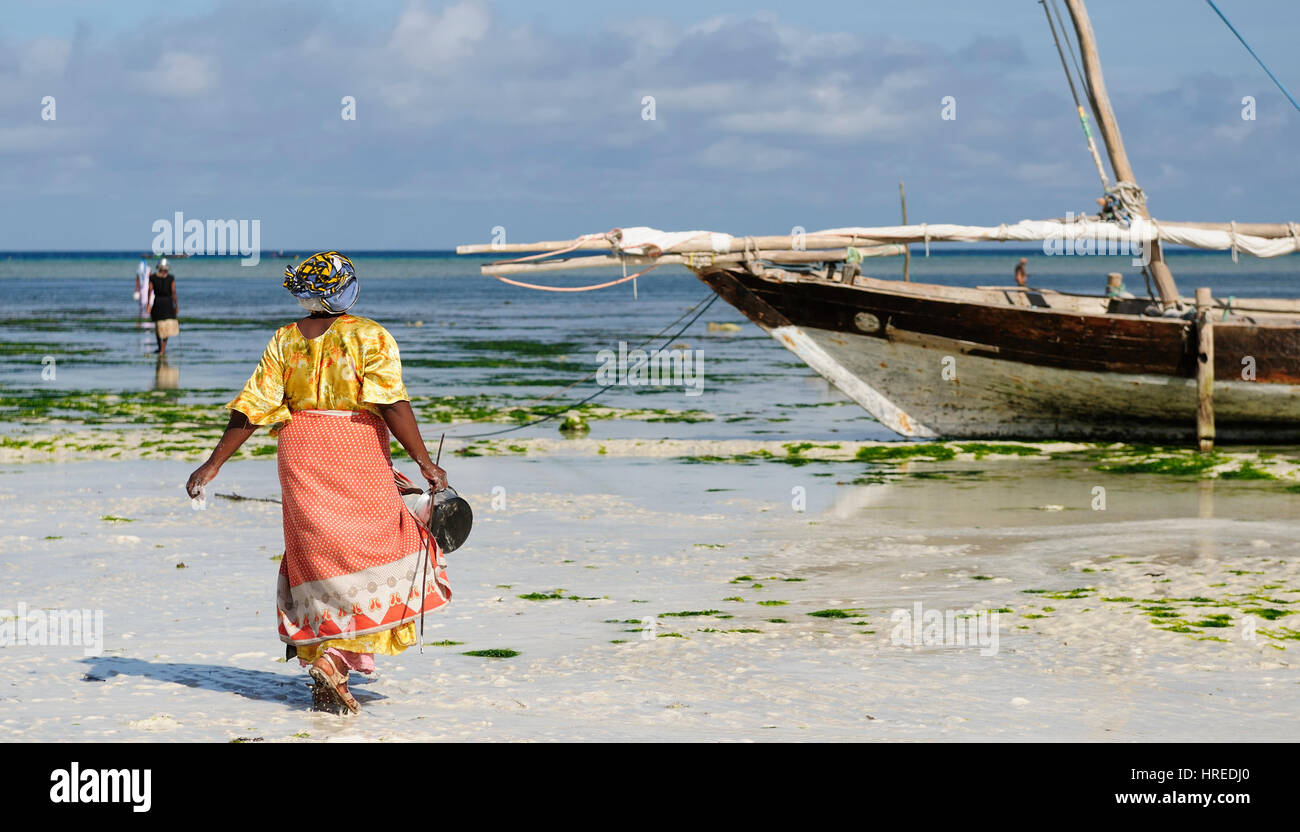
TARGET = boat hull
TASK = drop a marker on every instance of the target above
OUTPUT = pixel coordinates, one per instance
(943, 366)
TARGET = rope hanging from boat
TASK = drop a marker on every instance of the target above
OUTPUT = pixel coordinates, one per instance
(590, 288)
(1253, 55)
(699, 309)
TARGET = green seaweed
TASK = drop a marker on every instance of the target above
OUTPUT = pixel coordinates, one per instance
(981, 450)
(557, 595)
(1184, 465)
(836, 613)
(1267, 613)
(894, 453)
(1247, 471)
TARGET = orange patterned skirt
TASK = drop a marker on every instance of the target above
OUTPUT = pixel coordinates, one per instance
(356, 561)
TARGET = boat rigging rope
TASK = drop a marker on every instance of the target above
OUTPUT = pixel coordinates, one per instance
(702, 307)
(1132, 199)
(590, 288)
(611, 236)
(1083, 76)
(1253, 55)
(1074, 93)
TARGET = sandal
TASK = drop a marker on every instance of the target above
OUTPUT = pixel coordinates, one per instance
(332, 686)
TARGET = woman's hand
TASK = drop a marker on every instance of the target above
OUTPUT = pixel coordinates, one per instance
(435, 475)
(202, 475)
(401, 422)
(237, 432)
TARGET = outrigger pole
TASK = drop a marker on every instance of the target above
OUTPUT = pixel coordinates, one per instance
(1126, 187)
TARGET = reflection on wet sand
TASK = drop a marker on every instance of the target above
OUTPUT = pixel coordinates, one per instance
(165, 375)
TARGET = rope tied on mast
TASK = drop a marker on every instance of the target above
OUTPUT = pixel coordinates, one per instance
(1131, 197)
(751, 254)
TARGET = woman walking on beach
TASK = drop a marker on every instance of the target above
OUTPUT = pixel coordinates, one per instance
(163, 306)
(358, 568)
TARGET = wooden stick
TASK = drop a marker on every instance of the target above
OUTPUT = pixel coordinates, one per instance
(907, 252)
(544, 245)
(698, 245)
(1204, 371)
(1272, 230)
(1100, 101)
(828, 241)
(609, 260)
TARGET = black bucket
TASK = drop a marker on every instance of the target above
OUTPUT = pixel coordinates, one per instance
(451, 521)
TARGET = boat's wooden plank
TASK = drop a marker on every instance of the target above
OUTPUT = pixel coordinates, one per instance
(1019, 333)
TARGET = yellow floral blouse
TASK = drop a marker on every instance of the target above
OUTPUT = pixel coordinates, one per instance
(353, 365)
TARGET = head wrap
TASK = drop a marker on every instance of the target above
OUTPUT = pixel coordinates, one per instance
(324, 282)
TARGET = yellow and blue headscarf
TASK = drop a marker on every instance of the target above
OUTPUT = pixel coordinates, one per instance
(324, 282)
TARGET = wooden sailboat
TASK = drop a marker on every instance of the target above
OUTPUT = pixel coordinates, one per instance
(929, 360)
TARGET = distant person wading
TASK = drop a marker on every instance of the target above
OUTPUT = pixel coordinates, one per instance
(163, 306)
(358, 568)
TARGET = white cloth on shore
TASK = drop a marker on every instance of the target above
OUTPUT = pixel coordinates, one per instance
(143, 288)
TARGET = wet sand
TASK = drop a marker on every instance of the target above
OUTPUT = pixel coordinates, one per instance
(1146, 620)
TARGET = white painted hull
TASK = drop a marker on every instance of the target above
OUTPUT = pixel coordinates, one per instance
(903, 385)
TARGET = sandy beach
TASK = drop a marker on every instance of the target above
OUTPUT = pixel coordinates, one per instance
(924, 376)
(649, 595)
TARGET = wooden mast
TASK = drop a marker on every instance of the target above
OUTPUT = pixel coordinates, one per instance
(1164, 279)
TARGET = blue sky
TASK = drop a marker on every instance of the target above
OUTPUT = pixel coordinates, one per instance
(472, 114)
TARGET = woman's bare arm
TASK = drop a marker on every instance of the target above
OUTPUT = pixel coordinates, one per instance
(238, 429)
(401, 422)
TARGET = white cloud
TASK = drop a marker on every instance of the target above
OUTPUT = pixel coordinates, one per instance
(851, 119)
(745, 155)
(37, 136)
(1045, 174)
(435, 42)
(44, 58)
(179, 75)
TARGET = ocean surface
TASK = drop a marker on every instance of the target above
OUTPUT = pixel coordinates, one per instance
(464, 334)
